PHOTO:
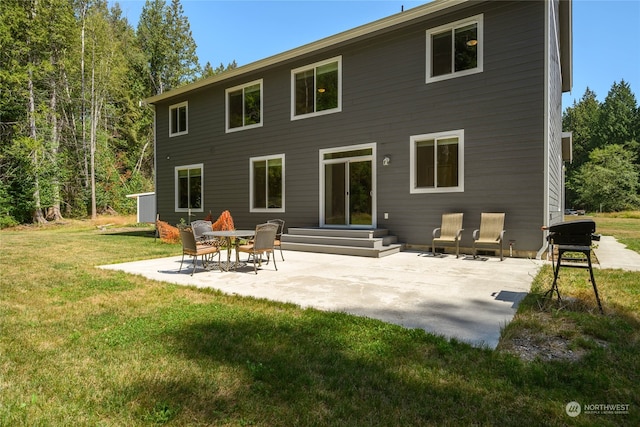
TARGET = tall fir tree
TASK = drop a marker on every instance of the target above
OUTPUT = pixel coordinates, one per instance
(164, 35)
(582, 118)
(618, 115)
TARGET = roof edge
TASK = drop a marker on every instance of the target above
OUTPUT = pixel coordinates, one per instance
(566, 44)
(362, 30)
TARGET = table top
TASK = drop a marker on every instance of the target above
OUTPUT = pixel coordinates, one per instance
(230, 233)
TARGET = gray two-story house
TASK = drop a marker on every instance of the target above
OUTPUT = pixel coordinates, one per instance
(453, 106)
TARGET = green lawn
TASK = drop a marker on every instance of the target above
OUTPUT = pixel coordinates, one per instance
(83, 346)
(625, 226)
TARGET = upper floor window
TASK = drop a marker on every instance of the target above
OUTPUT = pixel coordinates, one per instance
(316, 89)
(178, 119)
(437, 162)
(244, 106)
(189, 188)
(267, 183)
(455, 49)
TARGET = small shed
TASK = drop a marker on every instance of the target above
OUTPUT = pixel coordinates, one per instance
(146, 206)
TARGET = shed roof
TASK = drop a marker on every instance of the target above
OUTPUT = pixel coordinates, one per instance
(136, 195)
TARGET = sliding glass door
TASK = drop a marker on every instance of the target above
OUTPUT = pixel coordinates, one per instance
(348, 188)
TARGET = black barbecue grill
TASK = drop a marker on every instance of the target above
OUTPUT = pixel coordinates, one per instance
(573, 233)
(573, 237)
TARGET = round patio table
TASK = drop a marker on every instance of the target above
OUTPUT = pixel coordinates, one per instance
(228, 235)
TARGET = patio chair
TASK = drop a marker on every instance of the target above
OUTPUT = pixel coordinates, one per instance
(491, 232)
(263, 243)
(278, 242)
(450, 232)
(199, 227)
(190, 247)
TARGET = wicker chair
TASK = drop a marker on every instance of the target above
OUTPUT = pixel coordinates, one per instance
(278, 242)
(190, 247)
(491, 232)
(263, 243)
(450, 232)
(199, 227)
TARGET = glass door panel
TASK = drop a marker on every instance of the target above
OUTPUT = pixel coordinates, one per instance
(360, 191)
(335, 194)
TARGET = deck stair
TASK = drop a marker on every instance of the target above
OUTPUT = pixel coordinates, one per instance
(374, 243)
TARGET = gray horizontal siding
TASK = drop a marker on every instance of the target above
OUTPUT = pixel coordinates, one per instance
(385, 101)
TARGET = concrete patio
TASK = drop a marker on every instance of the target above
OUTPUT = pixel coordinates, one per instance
(467, 299)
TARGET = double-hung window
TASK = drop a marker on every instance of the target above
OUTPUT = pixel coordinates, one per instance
(437, 162)
(455, 49)
(244, 106)
(316, 89)
(178, 119)
(189, 188)
(267, 183)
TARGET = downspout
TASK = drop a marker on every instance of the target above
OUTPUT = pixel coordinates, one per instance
(155, 160)
(547, 64)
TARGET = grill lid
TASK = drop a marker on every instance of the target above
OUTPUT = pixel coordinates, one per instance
(573, 233)
(583, 226)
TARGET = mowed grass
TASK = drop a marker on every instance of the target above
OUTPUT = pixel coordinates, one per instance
(625, 226)
(85, 347)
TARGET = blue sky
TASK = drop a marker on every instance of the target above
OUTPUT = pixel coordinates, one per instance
(606, 43)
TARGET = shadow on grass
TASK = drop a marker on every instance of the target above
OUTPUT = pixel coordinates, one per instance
(131, 233)
(321, 369)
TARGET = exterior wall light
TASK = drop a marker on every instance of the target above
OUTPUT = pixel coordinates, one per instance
(386, 160)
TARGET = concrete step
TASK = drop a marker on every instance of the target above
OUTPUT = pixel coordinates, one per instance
(339, 232)
(360, 242)
(340, 241)
(344, 250)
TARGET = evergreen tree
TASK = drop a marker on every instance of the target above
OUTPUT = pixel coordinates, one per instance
(154, 44)
(164, 35)
(182, 60)
(608, 181)
(582, 119)
(605, 146)
(618, 116)
(209, 71)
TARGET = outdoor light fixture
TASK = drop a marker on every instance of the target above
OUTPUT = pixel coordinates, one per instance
(386, 160)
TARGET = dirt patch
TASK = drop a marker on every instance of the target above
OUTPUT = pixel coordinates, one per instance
(529, 346)
(545, 337)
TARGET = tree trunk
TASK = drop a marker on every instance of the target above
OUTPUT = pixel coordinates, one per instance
(54, 213)
(38, 217)
(93, 138)
(140, 159)
(83, 117)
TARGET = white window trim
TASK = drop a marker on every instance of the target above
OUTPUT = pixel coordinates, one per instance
(184, 104)
(251, 189)
(236, 88)
(413, 189)
(313, 66)
(477, 19)
(175, 184)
